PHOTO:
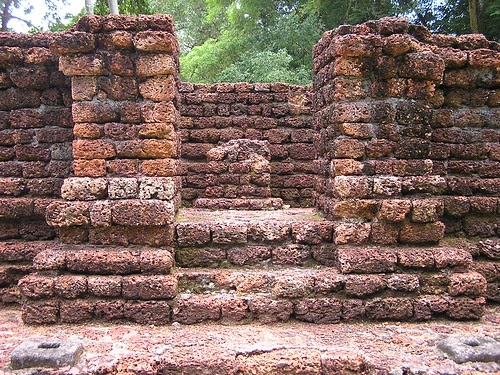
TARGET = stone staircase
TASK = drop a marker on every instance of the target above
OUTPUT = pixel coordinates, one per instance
(239, 266)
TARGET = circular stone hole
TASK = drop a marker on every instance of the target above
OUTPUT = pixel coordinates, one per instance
(49, 345)
(472, 342)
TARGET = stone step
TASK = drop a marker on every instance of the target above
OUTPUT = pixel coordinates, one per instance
(292, 283)
(16, 261)
(491, 272)
(321, 295)
(348, 259)
(288, 283)
(21, 207)
(15, 251)
(296, 237)
(234, 309)
(199, 227)
(239, 203)
(207, 238)
(106, 260)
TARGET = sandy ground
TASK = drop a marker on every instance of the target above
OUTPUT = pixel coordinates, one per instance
(402, 348)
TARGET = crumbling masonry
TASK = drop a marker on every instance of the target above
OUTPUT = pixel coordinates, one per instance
(126, 194)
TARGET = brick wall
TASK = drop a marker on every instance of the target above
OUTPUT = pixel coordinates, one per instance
(279, 113)
(408, 125)
(35, 151)
(35, 134)
(125, 188)
(397, 140)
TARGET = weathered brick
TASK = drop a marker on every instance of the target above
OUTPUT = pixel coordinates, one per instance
(366, 260)
(426, 210)
(266, 310)
(158, 88)
(155, 41)
(355, 233)
(72, 42)
(312, 232)
(352, 187)
(389, 309)
(83, 87)
(364, 285)
(102, 262)
(470, 284)
(81, 65)
(190, 234)
(90, 168)
(159, 167)
(149, 287)
(67, 214)
(139, 213)
(394, 210)
(422, 233)
(153, 64)
(99, 112)
(148, 312)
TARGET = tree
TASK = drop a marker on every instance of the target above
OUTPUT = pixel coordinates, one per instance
(337, 12)
(233, 38)
(6, 9)
(9, 10)
(461, 17)
(192, 25)
(89, 7)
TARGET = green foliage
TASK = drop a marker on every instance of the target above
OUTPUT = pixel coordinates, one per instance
(254, 40)
(491, 15)
(452, 17)
(124, 6)
(271, 40)
(191, 23)
(265, 66)
(337, 12)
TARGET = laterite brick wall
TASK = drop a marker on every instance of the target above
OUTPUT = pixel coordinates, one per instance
(279, 113)
(396, 142)
(409, 139)
(35, 134)
(35, 150)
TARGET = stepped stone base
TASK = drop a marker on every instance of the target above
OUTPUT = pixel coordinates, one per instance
(239, 203)
(263, 266)
(16, 261)
(319, 295)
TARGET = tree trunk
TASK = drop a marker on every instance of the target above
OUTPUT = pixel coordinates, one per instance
(89, 7)
(474, 15)
(113, 7)
(6, 14)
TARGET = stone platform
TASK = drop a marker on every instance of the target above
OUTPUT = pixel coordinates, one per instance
(238, 267)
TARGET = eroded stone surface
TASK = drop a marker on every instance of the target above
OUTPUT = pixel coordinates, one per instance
(469, 348)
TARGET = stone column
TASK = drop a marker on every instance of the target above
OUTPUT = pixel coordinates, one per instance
(374, 88)
(124, 74)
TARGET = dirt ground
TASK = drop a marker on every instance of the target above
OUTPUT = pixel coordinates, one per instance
(399, 348)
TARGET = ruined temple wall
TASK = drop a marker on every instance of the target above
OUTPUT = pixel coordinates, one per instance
(278, 113)
(408, 125)
(124, 75)
(35, 134)
(35, 150)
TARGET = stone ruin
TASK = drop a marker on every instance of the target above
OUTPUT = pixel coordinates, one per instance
(126, 194)
(245, 177)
